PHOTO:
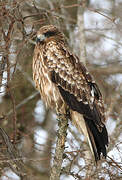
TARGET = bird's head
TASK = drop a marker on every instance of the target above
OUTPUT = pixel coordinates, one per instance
(47, 33)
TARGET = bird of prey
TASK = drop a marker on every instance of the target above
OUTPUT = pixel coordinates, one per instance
(64, 82)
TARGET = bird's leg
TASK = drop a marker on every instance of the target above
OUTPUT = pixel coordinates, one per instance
(63, 111)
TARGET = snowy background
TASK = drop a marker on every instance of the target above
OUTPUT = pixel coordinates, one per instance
(37, 126)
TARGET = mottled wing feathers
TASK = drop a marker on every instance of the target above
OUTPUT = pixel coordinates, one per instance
(60, 61)
(73, 79)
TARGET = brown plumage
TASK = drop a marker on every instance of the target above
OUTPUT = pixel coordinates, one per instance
(63, 81)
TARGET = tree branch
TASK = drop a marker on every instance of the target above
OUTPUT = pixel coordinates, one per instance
(60, 146)
(82, 41)
(109, 70)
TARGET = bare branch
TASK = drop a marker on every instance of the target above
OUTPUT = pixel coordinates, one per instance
(24, 101)
(12, 154)
(109, 70)
(60, 146)
(82, 41)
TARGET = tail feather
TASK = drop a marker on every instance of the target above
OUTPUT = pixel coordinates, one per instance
(97, 140)
(93, 145)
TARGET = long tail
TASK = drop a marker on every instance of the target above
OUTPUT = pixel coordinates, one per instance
(97, 140)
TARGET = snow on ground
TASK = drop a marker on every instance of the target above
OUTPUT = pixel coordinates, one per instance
(40, 138)
(9, 174)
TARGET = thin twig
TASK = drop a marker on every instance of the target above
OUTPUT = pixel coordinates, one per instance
(12, 154)
(24, 101)
(7, 39)
(83, 4)
(108, 70)
(96, 11)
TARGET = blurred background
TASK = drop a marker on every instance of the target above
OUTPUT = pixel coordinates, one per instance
(28, 146)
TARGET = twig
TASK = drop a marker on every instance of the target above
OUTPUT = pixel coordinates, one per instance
(26, 75)
(2, 68)
(105, 71)
(14, 114)
(60, 146)
(96, 11)
(24, 101)
(95, 31)
(7, 39)
(83, 4)
(115, 163)
(12, 154)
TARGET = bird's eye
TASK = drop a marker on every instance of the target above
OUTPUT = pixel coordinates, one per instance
(41, 37)
(49, 33)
